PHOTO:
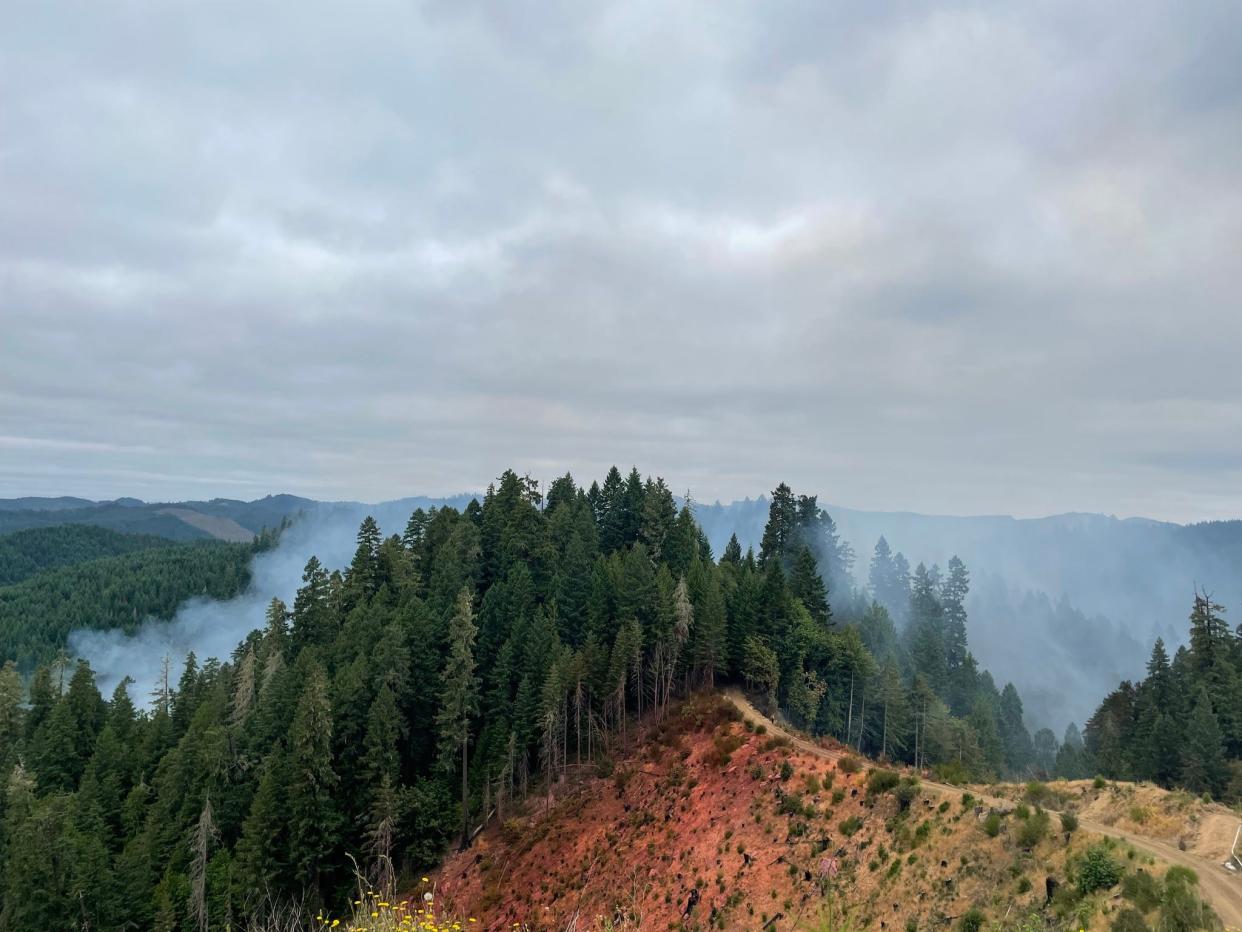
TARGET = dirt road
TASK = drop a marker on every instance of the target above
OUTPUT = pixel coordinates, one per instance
(1221, 889)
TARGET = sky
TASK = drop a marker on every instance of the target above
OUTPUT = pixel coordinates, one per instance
(945, 257)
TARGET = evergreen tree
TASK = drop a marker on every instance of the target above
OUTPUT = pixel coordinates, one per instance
(780, 531)
(807, 586)
(314, 820)
(459, 702)
(1203, 763)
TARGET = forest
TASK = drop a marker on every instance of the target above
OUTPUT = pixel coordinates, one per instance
(148, 580)
(30, 552)
(1182, 724)
(451, 671)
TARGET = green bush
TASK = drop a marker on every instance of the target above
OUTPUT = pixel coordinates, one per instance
(992, 824)
(786, 770)
(1069, 822)
(849, 764)
(1032, 830)
(1098, 869)
(1143, 890)
(1182, 910)
(1130, 920)
(881, 781)
(1178, 876)
(972, 920)
(1099, 783)
(908, 792)
(850, 826)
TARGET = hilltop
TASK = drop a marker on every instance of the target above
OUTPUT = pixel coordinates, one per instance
(711, 820)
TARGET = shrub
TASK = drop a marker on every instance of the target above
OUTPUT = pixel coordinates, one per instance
(790, 804)
(1069, 822)
(1182, 910)
(1138, 814)
(952, 773)
(992, 824)
(881, 781)
(972, 920)
(1024, 885)
(1099, 783)
(1180, 876)
(1036, 792)
(968, 800)
(849, 764)
(1098, 869)
(1022, 811)
(1032, 830)
(908, 792)
(786, 770)
(850, 826)
(812, 783)
(837, 796)
(1130, 920)
(1143, 890)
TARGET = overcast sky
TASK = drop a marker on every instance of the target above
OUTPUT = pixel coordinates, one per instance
(954, 258)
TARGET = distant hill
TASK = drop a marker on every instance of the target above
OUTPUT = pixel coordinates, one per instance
(36, 550)
(217, 519)
(34, 503)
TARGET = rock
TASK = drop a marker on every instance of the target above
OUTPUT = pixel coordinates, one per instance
(692, 902)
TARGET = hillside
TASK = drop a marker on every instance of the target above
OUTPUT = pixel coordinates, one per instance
(36, 550)
(38, 613)
(712, 821)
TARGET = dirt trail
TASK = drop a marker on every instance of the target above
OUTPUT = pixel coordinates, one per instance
(1221, 889)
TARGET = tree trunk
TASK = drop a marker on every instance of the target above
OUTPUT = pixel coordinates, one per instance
(465, 810)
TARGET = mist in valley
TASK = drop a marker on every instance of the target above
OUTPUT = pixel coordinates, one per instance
(213, 628)
(1063, 607)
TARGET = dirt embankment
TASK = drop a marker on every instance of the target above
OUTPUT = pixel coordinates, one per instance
(717, 818)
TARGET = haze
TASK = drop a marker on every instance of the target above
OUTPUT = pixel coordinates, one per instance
(954, 258)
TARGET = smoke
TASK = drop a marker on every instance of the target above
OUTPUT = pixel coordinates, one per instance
(213, 628)
(1063, 607)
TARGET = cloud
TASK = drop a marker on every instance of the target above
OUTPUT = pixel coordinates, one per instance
(956, 258)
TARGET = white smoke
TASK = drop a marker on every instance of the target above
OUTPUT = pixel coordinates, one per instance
(212, 628)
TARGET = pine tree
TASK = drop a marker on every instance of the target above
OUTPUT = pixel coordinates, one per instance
(362, 576)
(925, 635)
(807, 586)
(12, 725)
(778, 534)
(459, 701)
(1203, 761)
(314, 820)
(312, 611)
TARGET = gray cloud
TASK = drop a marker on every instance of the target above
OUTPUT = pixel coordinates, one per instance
(960, 258)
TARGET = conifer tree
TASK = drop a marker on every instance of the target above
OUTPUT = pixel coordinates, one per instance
(1203, 763)
(779, 533)
(459, 701)
(314, 819)
(807, 586)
